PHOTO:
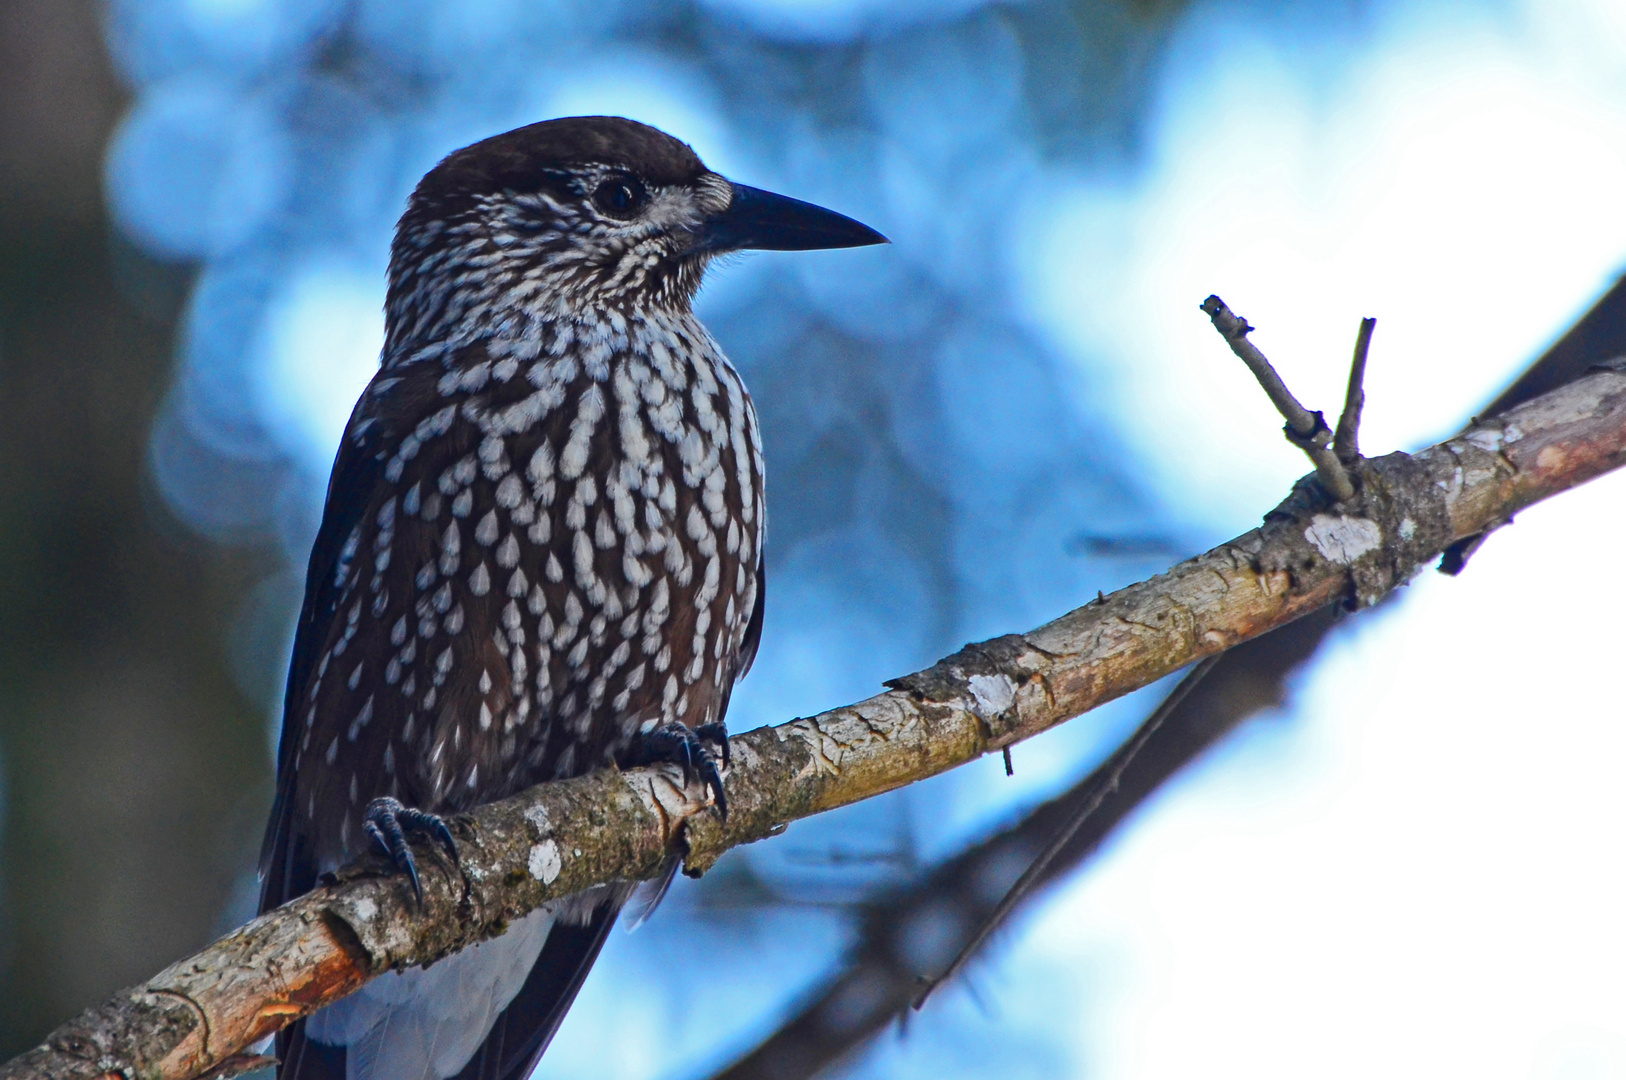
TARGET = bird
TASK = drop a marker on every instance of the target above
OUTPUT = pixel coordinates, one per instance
(541, 554)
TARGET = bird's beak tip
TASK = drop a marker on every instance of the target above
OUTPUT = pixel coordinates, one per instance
(760, 220)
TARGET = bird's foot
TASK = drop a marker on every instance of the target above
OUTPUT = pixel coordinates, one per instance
(715, 733)
(690, 750)
(387, 822)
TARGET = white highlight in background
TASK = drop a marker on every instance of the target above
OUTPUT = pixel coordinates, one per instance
(323, 335)
(1422, 877)
(1453, 180)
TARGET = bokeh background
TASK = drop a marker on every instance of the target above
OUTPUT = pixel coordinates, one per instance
(1412, 868)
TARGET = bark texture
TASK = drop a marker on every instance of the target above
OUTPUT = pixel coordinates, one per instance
(201, 1014)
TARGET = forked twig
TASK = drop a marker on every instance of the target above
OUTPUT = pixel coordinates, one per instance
(1305, 429)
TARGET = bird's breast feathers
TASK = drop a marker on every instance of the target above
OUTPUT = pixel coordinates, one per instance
(559, 546)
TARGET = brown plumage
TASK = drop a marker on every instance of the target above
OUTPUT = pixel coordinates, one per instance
(541, 551)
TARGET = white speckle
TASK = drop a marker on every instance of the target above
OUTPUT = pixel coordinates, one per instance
(480, 580)
(463, 503)
(1485, 439)
(486, 531)
(1512, 433)
(366, 909)
(363, 718)
(1343, 539)
(540, 469)
(993, 693)
(1408, 528)
(545, 862)
(573, 459)
(510, 492)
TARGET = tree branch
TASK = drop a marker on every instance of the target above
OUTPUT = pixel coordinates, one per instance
(555, 839)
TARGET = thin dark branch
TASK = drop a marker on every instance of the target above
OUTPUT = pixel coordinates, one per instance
(1107, 780)
(1305, 429)
(1346, 445)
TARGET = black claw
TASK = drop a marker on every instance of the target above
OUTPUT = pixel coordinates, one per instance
(679, 745)
(433, 825)
(714, 781)
(687, 747)
(716, 733)
(386, 821)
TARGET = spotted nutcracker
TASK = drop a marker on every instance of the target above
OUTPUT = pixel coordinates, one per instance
(541, 554)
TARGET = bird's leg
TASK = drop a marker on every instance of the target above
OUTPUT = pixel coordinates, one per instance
(678, 744)
(386, 821)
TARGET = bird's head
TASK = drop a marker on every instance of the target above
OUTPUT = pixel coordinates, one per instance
(577, 216)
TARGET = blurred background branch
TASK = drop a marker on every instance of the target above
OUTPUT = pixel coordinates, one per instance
(132, 767)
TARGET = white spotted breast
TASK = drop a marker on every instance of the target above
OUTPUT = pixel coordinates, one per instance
(559, 545)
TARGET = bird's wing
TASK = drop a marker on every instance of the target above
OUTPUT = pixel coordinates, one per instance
(524, 1029)
(285, 872)
(415, 1024)
(753, 629)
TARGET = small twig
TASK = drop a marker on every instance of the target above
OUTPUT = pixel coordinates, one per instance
(1305, 429)
(1346, 445)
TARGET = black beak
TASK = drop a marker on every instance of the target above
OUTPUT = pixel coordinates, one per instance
(763, 221)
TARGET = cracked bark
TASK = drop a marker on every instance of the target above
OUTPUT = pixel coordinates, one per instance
(199, 1014)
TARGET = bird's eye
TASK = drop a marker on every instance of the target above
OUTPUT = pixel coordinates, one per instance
(620, 196)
